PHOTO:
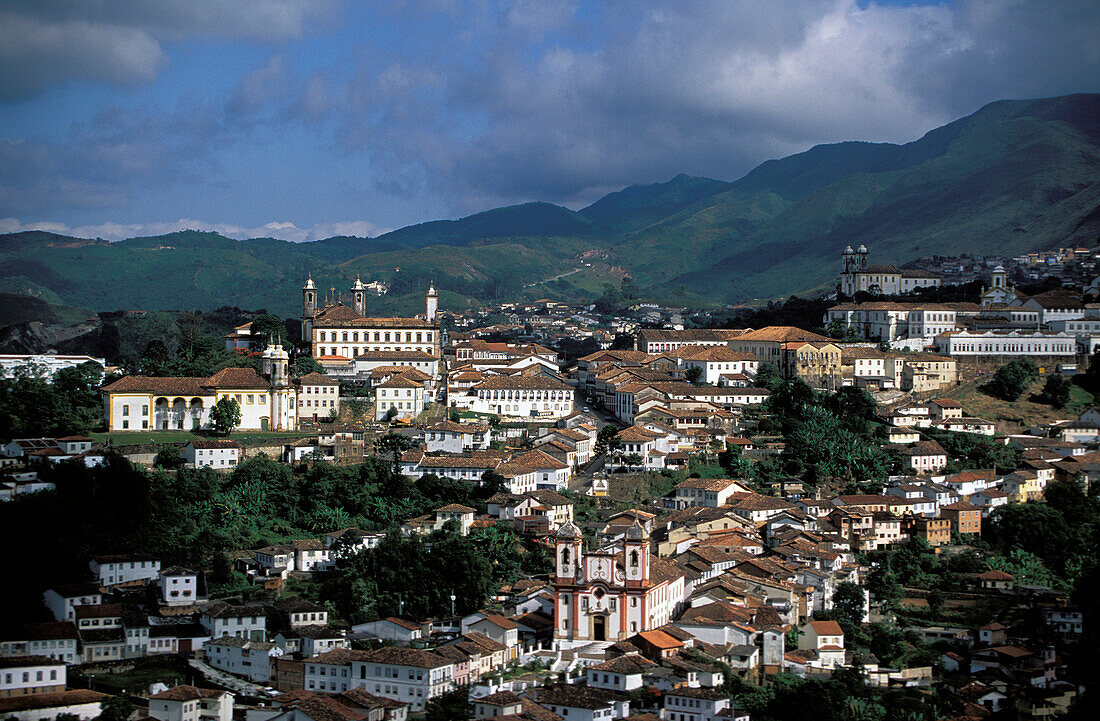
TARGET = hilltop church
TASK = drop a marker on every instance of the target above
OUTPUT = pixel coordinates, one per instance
(339, 332)
(857, 274)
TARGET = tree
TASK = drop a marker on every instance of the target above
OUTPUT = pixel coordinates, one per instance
(168, 457)
(391, 413)
(767, 376)
(265, 328)
(115, 708)
(451, 706)
(305, 364)
(1056, 391)
(226, 415)
(693, 374)
(1012, 379)
(154, 359)
(848, 601)
(607, 440)
(393, 444)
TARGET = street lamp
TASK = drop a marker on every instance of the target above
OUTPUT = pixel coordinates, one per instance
(452, 605)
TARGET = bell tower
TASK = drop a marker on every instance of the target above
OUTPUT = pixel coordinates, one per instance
(636, 554)
(358, 296)
(431, 303)
(567, 554)
(309, 309)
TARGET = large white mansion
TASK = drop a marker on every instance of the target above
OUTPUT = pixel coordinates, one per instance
(268, 401)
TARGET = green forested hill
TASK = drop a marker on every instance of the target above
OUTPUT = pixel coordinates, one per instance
(1014, 176)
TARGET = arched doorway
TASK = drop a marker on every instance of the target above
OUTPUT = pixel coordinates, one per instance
(161, 414)
(179, 412)
(195, 412)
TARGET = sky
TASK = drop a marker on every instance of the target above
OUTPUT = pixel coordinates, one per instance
(302, 119)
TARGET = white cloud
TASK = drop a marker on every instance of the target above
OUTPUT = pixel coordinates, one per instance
(48, 42)
(283, 230)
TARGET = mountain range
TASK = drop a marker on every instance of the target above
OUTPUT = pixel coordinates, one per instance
(1016, 176)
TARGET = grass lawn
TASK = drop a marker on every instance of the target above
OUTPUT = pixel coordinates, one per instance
(247, 438)
(1017, 416)
(139, 679)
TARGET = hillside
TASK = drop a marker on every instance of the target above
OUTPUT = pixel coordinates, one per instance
(1014, 176)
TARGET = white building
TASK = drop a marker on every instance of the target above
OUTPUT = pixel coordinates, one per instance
(43, 365)
(318, 396)
(716, 361)
(115, 570)
(63, 600)
(699, 704)
(409, 675)
(1015, 343)
(404, 396)
(522, 397)
(81, 703)
(178, 586)
(859, 275)
(604, 596)
(187, 703)
(217, 453)
(451, 437)
(242, 657)
(55, 639)
(267, 402)
(710, 492)
(222, 619)
(25, 675)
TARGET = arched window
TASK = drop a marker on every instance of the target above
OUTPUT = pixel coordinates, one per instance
(565, 556)
(633, 558)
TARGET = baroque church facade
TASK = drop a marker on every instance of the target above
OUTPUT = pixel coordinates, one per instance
(611, 594)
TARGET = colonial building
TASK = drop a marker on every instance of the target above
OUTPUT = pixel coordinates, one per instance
(859, 275)
(610, 595)
(267, 401)
(340, 331)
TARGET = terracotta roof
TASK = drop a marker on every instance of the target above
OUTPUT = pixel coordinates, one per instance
(60, 699)
(383, 355)
(782, 334)
(316, 379)
(401, 381)
(161, 385)
(521, 383)
(243, 378)
(187, 693)
(827, 628)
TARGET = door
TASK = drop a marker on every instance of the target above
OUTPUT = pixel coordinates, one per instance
(599, 628)
(263, 424)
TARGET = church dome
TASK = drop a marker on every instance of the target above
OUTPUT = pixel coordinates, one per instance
(358, 284)
(431, 290)
(848, 250)
(309, 284)
(636, 532)
(863, 249)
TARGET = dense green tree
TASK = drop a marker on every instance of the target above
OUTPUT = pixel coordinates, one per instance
(607, 440)
(265, 328)
(451, 706)
(155, 358)
(393, 445)
(305, 364)
(693, 374)
(1012, 379)
(767, 376)
(1056, 391)
(225, 415)
(848, 602)
(115, 708)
